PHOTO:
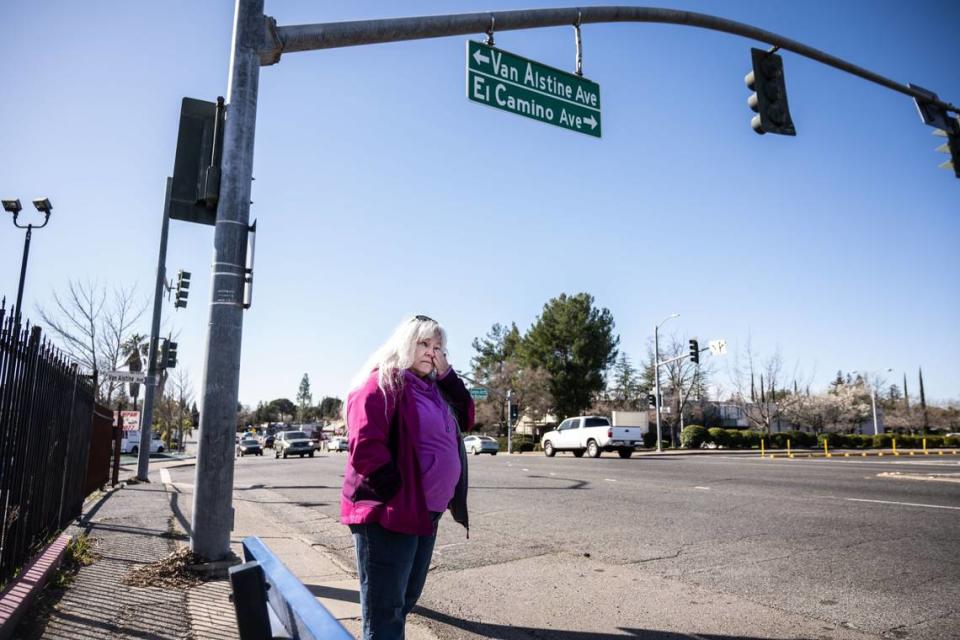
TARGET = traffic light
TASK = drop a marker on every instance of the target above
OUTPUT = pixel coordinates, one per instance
(170, 356)
(769, 99)
(162, 360)
(695, 351)
(183, 289)
(651, 400)
(952, 147)
(514, 412)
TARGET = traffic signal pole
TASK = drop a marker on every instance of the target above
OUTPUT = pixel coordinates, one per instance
(213, 487)
(150, 381)
(258, 40)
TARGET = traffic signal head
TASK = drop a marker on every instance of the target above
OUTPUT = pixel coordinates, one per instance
(769, 99)
(514, 412)
(651, 400)
(183, 289)
(695, 351)
(170, 355)
(951, 146)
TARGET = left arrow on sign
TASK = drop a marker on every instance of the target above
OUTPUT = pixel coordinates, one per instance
(479, 57)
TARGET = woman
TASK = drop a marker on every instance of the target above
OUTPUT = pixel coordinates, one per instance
(406, 466)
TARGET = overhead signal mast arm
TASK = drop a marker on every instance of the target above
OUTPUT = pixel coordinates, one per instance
(331, 35)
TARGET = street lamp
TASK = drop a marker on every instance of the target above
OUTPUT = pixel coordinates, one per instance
(656, 371)
(13, 207)
(873, 399)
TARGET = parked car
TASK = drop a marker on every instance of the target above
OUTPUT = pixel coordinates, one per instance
(293, 443)
(481, 444)
(249, 445)
(130, 443)
(337, 443)
(591, 435)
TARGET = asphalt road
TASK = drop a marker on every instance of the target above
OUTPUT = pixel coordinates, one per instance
(710, 546)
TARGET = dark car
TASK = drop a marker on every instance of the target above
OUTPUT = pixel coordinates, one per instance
(249, 445)
(267, 441)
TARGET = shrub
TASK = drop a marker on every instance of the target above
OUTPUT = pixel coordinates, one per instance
(750, 439)
(778, 440)
(650, 438)
(803, 439)
(882, 441)
(717, 436)
(832, 439)
(693, 436)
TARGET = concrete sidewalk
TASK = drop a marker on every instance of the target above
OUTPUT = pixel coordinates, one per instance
(131, 526)
(137, 524)
(292, 538)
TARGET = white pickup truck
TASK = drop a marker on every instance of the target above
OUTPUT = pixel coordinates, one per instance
(591, 435)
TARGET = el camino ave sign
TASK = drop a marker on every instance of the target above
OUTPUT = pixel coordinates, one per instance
(506, 81)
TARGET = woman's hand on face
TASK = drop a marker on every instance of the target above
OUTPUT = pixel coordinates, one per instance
(440, 362)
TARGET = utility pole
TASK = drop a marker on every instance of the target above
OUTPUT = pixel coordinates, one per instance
(213, 496)
(656, 372)
(509, 421)
(150, 381)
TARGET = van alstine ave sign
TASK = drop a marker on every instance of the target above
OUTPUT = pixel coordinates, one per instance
(505, 81)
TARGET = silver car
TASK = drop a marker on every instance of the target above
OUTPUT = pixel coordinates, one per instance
(293, 443)
(481, 444)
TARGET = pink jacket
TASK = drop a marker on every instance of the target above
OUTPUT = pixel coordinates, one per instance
(382, 481)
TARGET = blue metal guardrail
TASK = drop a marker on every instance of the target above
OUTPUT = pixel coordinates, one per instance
(272, 603)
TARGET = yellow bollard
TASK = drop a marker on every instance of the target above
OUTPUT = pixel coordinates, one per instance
(846, 455)
(826, 449)
(863, 455)
(895, 447)
(925, 452)
(940, 452)
(761, 447)
(789, 453)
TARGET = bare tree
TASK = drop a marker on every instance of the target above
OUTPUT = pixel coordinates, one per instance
(765, 394)
(92, 330)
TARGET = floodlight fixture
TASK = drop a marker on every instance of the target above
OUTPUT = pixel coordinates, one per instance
(12, 206)
(43, 205)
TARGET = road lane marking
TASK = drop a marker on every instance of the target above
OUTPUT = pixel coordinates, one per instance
(609, 480)
(703, 488)
(905, 504)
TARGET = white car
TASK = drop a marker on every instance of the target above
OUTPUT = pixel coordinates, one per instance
(337, 443)
(481, 444)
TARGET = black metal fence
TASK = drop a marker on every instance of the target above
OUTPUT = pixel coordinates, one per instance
(46, 406)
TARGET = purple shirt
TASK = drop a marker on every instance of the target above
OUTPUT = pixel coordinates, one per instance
(437, 450)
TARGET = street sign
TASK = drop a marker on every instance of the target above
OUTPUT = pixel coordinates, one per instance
(502, 80)
(126, 376)
(131, 420)
(478, 393)
(718, 347)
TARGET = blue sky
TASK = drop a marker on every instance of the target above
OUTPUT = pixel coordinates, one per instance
(381, 191)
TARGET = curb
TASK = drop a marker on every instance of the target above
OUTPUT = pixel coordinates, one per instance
(18, 597)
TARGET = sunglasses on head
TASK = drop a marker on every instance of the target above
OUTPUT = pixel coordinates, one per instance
(424, 319)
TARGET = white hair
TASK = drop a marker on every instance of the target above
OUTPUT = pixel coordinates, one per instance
(398, 353)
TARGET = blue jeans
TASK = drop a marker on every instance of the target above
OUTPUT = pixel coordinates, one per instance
(392, 568)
